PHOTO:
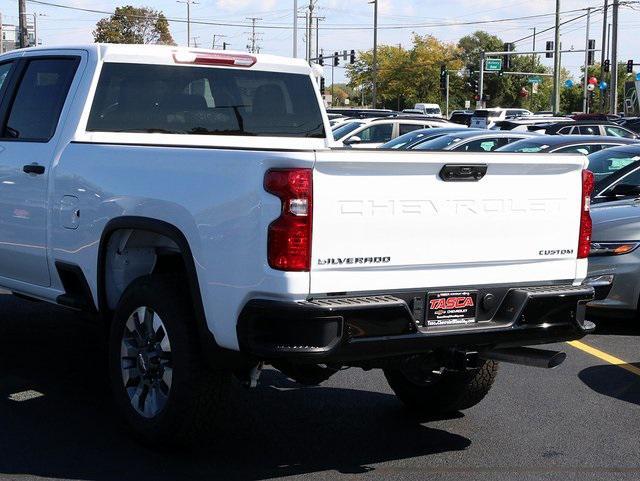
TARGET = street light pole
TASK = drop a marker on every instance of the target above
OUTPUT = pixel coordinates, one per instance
(374, 67)
(585, 91)
(603, 51)
(613, 108)
(556, 62)
(295, 28)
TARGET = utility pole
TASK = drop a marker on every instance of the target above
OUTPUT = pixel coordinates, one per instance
(556, 62)
(585, 91)
(188, 3)
(23, 36)
(603, 50)
(213, 41)
(253, 47)
(1, 41)
(310, 32)
(374, 67)
(195, 41)
(613, 107)
(295, 28)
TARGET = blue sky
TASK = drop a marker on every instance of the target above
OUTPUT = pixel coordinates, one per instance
(347, 22)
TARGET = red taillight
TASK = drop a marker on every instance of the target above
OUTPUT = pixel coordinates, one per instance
(289, 236)
(584, 241)
(229, 60)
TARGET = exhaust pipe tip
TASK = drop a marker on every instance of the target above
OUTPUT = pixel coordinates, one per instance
(526, 356)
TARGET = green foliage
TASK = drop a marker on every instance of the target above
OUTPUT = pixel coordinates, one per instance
(406, 76)
(136, 25)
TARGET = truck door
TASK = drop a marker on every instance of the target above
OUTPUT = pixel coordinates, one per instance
(31, 101)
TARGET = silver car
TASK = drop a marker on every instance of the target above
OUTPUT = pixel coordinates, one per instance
(614, 262)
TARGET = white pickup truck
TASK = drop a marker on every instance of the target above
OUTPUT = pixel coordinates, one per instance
(191, 200)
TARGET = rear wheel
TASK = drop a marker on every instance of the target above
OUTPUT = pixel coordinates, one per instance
(158, 378)
(442, 391)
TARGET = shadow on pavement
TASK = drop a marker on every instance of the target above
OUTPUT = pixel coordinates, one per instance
(57, 419)
(621, 327)
(613, 381)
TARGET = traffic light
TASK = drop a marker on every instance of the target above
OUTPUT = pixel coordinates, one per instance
(629, 66)
(322, 85)
(591, 52)
(506, 63)
(443, 77)
(352, 57)
(473, 82)
(548, 47)
(336, 60)
(607, 65)
(321, 61)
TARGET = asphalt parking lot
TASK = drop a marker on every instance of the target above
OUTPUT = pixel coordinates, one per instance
(580, 421)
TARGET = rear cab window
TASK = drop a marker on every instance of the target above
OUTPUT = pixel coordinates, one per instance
(204, 101)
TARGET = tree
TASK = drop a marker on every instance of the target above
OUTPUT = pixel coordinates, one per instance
(504, 89)
(134, 25)
(406, 76)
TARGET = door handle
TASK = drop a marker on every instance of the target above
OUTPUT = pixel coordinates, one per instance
(33, 169)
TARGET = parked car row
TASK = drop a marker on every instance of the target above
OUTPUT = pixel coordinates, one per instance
(611, 146)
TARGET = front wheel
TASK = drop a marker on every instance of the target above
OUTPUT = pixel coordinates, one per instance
(159, 381)
(442, 392)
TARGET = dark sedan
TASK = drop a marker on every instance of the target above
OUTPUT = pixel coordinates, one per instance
(407, 140)
(556, 144)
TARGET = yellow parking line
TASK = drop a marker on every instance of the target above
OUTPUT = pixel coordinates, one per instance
(605, 357)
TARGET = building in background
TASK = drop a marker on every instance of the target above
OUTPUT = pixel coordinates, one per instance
(9, 35)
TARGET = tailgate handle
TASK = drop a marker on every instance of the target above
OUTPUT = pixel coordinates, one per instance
(463, 172)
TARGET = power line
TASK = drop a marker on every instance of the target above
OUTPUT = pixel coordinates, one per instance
(335, 27)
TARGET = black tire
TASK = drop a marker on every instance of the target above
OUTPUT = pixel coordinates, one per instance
(447, 393)
(197, 395)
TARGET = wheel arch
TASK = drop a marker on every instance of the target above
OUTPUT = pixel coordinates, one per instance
(210, 347)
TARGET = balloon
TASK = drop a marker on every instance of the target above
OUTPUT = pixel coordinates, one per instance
(568, 83)
(603, 85)
(591, 87)
(593, 80)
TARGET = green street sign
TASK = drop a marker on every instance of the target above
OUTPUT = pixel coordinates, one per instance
(534, 80)
(493, 64)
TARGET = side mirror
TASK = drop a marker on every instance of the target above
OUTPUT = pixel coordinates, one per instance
(624, 190)
(353, 140)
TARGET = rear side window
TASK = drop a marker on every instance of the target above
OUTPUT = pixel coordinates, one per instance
(617, 132)
(406, 128)
(480, 145)
(376, 133)
(588, 130)
(204, 101)
(584, 149)
(38, 102)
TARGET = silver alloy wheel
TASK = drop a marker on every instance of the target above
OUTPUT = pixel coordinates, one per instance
(145, 362)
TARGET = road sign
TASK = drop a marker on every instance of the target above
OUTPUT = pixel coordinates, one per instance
(493, 64)
(467, 104)
(534, 80)
(638, 76)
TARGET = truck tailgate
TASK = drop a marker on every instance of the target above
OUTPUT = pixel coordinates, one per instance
(387, 220)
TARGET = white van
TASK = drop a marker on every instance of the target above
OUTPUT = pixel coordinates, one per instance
(487, 118)
(432, 110)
